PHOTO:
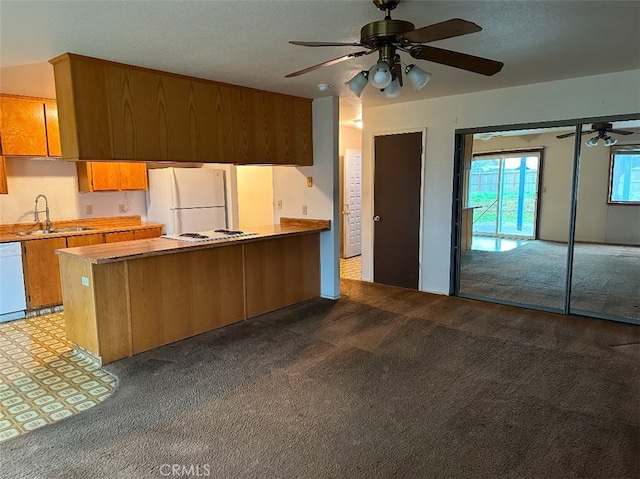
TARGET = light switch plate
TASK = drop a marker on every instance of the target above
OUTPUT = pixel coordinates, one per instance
(88, 209)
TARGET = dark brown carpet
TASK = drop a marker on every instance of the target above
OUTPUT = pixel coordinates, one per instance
(383, 383)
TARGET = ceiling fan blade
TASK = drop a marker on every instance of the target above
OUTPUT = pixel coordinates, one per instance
(463, 61)
(566, 135)
(585, 132)
(326, 44)
(621, 132)
(439, 31)
(327, 63)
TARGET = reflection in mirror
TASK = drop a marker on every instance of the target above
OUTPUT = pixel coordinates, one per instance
(515, 218)
(606, 263)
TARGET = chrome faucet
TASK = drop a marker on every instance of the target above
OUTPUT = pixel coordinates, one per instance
(36, 218)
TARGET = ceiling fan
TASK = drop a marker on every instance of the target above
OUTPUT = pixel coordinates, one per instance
(603, 130)
(388, 37)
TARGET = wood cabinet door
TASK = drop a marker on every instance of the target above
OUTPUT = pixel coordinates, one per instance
(22, 127)
(3, 177)
(133, 176)
(148, 233)
(42, 271)
(118, 236)
(84, 240)
(53, 129)
(105, 176)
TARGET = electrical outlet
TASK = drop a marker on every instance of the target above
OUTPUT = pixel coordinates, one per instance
(309, 181)
(88, 209)
(279, 204)
(122, 209)
(304, 209)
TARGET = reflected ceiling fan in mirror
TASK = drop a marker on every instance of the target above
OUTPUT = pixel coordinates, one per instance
(603, 130)
(388, 37)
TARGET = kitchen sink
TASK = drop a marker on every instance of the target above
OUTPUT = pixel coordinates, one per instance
(54, 230)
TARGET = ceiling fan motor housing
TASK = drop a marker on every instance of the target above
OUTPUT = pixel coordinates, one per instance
(384, 32)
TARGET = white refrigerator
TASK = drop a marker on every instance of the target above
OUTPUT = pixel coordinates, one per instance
(187, 199)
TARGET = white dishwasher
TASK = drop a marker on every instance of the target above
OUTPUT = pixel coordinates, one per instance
(12, 297)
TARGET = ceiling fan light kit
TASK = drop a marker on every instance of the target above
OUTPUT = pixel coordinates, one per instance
(388, 37)
(417, 76)
(358, 82)
(604, 131)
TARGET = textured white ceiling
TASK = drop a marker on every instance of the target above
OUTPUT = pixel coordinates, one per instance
(245, 42)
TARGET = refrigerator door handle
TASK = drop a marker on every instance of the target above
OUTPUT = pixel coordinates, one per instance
(173, 188)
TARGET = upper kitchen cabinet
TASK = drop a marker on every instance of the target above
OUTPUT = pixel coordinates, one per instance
(28, 126)
(52, 128)
(108, 176)
(115, 112)
(3, 177)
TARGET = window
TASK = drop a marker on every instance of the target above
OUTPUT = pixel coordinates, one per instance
(624, 175)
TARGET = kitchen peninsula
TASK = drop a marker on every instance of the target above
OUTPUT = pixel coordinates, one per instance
(125, 298)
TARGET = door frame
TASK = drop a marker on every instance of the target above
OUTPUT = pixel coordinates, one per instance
(369, 221)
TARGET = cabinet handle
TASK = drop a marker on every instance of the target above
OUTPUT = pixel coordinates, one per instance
(376, 218)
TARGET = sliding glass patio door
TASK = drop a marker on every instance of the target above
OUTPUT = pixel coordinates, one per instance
(503, 190)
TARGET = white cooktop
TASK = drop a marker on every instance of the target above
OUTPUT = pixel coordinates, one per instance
(202, 236)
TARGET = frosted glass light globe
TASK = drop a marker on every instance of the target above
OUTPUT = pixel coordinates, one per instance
(380, 75)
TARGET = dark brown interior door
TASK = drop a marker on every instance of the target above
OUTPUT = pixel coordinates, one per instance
(396, 221)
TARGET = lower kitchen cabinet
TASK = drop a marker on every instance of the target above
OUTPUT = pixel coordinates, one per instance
(42, 268)
(84, 240)
(118, 236)
(42, 271)
(148, 233)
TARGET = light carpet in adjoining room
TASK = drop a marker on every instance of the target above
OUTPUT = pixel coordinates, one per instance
(606, 278)
(385, 382)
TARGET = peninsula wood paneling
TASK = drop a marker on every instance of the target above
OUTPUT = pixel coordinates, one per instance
(281, 272)
(147, 115)
(81, 327)
(111, 293)
(184, 294)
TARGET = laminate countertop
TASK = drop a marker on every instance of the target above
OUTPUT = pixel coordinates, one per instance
(9, 233)
(126, 250)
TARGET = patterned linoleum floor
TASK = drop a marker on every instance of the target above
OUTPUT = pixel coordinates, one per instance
(351, 268)
(42, 380)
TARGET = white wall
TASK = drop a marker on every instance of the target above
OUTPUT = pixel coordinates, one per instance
(600, 95)
(321, 200)
(255, 196)
(57, 180)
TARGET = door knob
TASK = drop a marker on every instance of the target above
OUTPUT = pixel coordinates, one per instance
(376, 218)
